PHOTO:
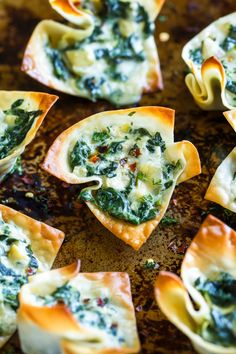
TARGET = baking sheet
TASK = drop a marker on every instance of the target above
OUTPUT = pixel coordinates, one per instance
(54, 202)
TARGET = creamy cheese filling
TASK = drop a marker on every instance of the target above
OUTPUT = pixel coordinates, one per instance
(92, 307)
(108, 63)
(133, 166)
(15, 123)
(17, 262)
(220, 294)
(221, 43)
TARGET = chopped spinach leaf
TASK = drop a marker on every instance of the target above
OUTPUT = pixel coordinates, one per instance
(108, 168)
(231, 86)
(60, 68)
(151, 264)
(6, 271)
(10, 288)
(142, 16)
(154, 142)
(115, 147)
(221, 291)
(116, 204)
(141, 132)
(93, 86)
(229, 42)
(168, 220)
(17, 103)
(79, 154)
(100, 137)
(221, 329)
(130, 114)
(14, 135)
(196, 55)
(66, 294)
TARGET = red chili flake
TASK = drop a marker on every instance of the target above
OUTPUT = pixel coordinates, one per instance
(123, 161)
(137, 152)
(30, 271)
(101, 302)
(132, 167)
(77, 3)
(182, 248)
(94, 158)
(102, 149)
(86, 301)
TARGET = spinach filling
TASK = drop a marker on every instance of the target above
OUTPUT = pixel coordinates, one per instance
(15, 134)
(229, 42)
(196, 55)
(108, 157)
(95, 312)
(12, 277)
(231, 86)
(220, 292)
(122, 48)
(9, 289)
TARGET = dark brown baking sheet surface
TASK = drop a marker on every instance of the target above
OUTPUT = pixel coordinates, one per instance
(55, 202)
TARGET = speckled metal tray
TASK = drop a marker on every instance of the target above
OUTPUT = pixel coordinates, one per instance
(55, 203)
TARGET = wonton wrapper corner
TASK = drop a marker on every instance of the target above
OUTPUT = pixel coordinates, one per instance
(222, 188)
(35, 101)
(57, 327)
(213, 249)
(45, 240)
(37, 64)
(57, 164)
(208, 85)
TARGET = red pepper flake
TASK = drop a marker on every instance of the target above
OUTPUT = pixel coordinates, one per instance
(77, 3)
(94, 158)
(86, 301)
(102, 149)
(132, 167)
(182, 248)
(137, 152)
(101, 302)
(30, 271)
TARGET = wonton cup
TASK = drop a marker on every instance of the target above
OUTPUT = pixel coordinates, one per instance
(207, 81)
(35, 101)
(37, 64)
(55, 329)
(155, 119)
(222, 188)
(212, 250)
(45, 242)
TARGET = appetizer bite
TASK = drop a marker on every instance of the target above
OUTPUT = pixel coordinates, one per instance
(222, 189)
(211, 57)
(133, 162)
(27, 246)
(109, 53)
(21, 114)
(70, 312)
(203, 304)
